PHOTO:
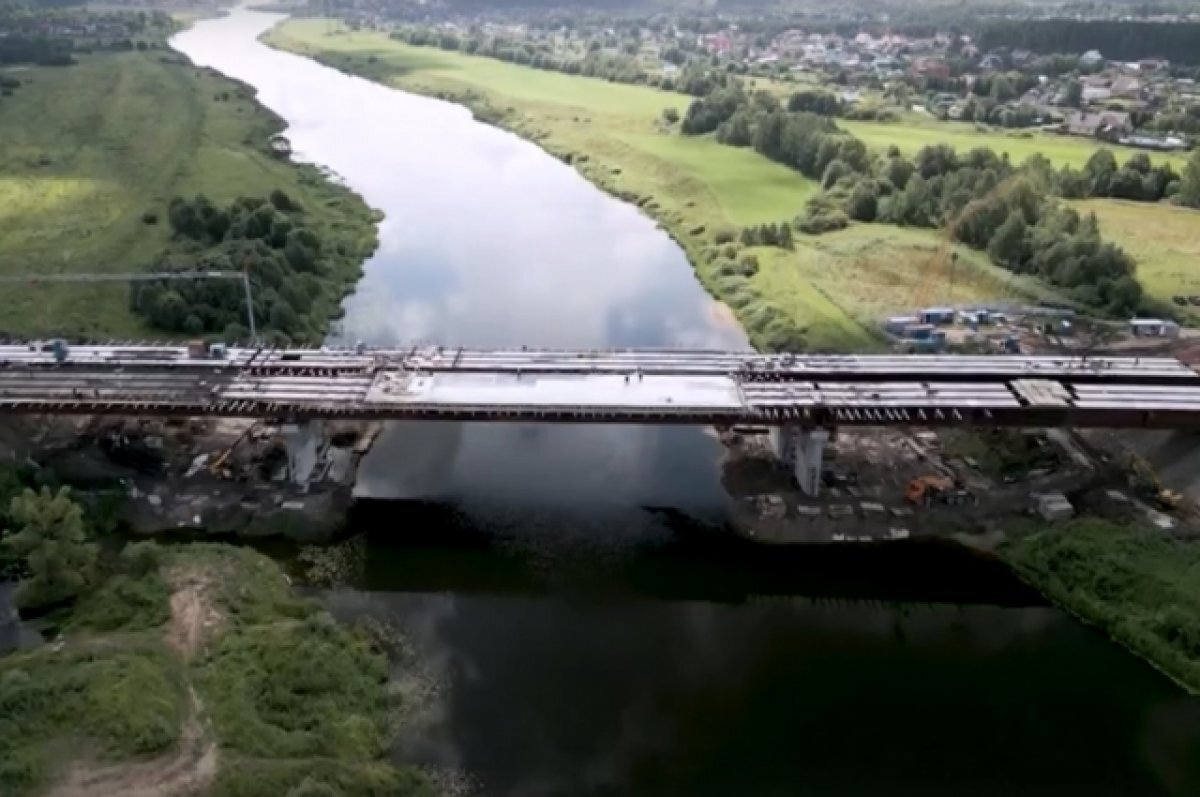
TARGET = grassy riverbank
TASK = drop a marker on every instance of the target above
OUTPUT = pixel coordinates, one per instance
(93, 151)
(196, 669)
(827, 293)
(1137, 585)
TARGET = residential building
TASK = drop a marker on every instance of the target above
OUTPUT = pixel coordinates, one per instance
(1109, 125)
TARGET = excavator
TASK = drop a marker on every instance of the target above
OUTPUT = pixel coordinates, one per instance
(1145, 483)
(929, 489)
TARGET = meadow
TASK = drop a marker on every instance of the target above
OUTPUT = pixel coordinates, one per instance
(92, 155)
(831, 289)
(1165, 240)
(917, 130)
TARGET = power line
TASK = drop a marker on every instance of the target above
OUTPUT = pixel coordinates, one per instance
(142, 276)
(33, 279)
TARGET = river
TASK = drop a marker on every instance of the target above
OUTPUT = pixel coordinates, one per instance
(574, 636)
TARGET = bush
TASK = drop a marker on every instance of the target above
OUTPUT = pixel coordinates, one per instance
(1134, 583)
(819, 221)
(724, 235)
(126, 702)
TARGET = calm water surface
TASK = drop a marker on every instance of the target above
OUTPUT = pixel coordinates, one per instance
(580, 642)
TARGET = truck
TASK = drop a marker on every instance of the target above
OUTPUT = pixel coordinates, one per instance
(930, 489)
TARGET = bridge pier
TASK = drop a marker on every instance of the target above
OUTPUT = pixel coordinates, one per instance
(803, 450)
(303, 442)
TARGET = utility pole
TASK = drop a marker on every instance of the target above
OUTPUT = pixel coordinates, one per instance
(243, 275)
(249, 299)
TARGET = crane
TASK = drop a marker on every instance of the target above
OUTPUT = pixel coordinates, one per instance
(243, 275)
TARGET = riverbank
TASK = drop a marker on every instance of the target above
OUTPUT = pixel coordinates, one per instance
(193, 669)
(95, 152)
(1135, 584)
(825, 294)
(698, 190)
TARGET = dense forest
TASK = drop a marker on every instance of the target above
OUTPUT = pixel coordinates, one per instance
(289, 265)
(1178, 42)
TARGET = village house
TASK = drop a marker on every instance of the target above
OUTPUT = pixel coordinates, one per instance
(930, 67)
(1108, 125)
(1129, 88)
(991, 62)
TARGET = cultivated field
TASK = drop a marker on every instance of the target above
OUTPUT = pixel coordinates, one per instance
(89, 150)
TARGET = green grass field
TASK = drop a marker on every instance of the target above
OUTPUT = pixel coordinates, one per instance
(917, 130)
(89, 149)
(1165, 240)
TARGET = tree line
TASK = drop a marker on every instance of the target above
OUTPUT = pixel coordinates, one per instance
(1115, 39)
(697, 76)
(1010, 212)
(287, 262)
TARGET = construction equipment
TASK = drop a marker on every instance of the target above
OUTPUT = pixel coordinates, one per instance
(1144, 481)
(219, 465)
(929, 489)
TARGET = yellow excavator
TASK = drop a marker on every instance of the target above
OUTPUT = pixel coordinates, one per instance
(1144, 481)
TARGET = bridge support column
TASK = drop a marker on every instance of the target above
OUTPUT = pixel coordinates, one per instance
(802, 450)
(303, 442)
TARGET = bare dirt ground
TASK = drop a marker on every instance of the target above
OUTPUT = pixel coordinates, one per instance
(189, 769)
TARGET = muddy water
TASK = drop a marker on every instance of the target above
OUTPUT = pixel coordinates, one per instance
(576, 640)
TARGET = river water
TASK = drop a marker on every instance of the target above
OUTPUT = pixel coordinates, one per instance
(582, 624)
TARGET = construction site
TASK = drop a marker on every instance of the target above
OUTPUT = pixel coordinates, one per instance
(893, 484)
(220, 476)
(884, 484)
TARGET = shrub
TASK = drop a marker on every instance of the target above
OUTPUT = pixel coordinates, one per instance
(821, 221)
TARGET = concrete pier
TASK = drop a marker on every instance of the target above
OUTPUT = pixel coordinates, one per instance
(802, 450)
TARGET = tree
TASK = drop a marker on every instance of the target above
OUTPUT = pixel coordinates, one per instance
(836, 170)
(1002, 89)
(936, 159)
(1100, 170)
(1189, 183)
(736, 131)
(1074, 94)
(670, 115)
(50, 536)
(862, 204)
(785, 237)
(897, 170)
(1008, 246)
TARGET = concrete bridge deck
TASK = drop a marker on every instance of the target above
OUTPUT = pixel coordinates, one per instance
(747, 366)
(654, 387)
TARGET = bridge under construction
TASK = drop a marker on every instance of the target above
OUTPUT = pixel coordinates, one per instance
(796, 396)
